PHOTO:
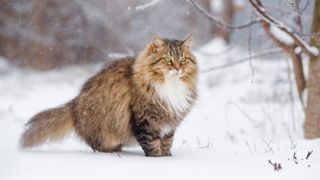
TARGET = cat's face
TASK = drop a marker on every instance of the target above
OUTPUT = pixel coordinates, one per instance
(171, 58)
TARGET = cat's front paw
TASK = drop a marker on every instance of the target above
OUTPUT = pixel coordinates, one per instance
(153, 154)
(168, 153)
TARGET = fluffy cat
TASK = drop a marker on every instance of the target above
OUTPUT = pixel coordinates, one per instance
(140, 99)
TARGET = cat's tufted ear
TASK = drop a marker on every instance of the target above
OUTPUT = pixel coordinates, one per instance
(187, 42)
(157, 42)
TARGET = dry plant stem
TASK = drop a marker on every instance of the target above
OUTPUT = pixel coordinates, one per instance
(249, 147)
(276, 166)
(268, 145)
(119, 155)
(294, 157)
(309, 153)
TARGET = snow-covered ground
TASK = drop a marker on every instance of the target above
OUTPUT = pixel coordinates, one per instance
(245, 116)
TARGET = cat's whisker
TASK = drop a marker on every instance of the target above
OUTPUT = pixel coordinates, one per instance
(187, 75)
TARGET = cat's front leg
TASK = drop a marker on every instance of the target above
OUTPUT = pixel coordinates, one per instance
(148, 139)
(166, 143)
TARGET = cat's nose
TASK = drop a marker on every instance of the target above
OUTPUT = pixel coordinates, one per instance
(177, 67)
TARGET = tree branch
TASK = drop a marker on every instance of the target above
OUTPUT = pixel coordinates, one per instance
(268, 21)
(292, 46)
(240, 61)
(220, 22)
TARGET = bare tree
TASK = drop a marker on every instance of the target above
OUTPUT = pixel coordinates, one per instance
(294, 46)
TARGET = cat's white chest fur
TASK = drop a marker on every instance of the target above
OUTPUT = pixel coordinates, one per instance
(175, 93)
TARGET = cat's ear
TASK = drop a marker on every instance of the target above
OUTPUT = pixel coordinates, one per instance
(187, 42)
(157, 42)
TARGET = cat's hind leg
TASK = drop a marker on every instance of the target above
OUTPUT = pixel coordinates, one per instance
(107, 145)
(111, 144)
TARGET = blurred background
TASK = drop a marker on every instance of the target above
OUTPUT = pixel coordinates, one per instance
(46, 34)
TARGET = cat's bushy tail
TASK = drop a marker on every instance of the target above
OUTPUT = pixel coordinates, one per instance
(50, 125)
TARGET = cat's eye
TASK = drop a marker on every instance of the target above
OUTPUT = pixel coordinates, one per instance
(183, 59)
(168, 59)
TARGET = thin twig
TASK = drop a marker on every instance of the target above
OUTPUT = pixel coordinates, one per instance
(249, 49)
(240, 61)
(294, 157)
(305, 6)
(220, 22)
(291, 95)
(268, 145)
(244, 113)
(232, 46)
(291, 3)
(249, 146)
(297, 18)
(119, 155)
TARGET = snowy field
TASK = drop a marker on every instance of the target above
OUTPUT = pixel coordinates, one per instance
(246, 115)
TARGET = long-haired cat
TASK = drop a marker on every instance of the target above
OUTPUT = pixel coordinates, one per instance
(140, 99)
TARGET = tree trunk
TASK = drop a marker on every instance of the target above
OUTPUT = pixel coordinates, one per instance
(312, 120)
(298, 74)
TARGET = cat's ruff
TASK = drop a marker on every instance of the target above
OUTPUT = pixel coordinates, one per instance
(174, 92)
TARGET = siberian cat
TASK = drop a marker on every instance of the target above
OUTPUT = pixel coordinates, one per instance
(140, 99)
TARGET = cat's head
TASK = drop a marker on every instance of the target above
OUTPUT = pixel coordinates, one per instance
(166, 58)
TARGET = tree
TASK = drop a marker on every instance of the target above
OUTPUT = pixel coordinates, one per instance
(292, 44)
(312, 121)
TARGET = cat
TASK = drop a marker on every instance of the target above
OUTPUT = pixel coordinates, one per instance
(135, 100)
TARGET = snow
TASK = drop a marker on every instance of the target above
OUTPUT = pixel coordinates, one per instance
(313, 50)
(216, 6)
(276, 29)
(238, 124)
(281, 35)
(297, 50)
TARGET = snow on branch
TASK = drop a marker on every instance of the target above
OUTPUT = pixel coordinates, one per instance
(218, 21)
(144, 6)
(282, 33)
